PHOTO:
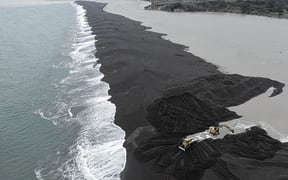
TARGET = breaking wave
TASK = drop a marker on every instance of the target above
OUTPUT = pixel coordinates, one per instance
(98, 153)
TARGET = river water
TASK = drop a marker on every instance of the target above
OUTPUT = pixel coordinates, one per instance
(244, 44)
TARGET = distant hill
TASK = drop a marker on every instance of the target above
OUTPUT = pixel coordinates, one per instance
(273, 8)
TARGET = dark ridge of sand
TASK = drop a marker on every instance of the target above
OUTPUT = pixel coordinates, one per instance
(226, 90)
(139, 66)
(196, 105)
(186, 114)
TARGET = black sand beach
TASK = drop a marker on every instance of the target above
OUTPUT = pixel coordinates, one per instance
(140, 66)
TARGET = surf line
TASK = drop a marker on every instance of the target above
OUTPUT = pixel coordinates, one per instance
(101, 155)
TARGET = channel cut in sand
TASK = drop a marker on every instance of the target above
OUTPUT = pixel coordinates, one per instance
(157, 88)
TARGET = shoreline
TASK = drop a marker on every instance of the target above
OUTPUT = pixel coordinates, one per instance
(108, 138)
(150, 51)
(132, 61)
(139, 65)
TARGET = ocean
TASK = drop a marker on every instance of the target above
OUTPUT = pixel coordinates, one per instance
(55, 118)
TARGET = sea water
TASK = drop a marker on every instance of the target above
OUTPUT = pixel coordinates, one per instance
(55, 118)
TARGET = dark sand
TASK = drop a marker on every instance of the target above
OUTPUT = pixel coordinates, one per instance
(139, 66)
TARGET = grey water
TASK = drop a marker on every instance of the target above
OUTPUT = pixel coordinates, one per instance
(55, 118)
(33, 39)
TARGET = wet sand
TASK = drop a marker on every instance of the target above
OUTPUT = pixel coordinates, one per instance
(139, 66)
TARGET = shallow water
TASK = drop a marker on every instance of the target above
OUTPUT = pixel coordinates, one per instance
(249, 45)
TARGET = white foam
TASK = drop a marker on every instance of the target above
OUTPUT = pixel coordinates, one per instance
(38, 174)
(101, 155)
(98, 153)
(41, 114)
(70, 113)
(85, 38)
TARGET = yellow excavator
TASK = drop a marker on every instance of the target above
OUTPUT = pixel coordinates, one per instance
(214, 131)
